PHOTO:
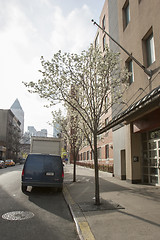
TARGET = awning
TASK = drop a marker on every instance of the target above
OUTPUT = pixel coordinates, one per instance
(148, 102)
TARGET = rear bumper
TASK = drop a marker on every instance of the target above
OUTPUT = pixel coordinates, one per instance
(43, 184)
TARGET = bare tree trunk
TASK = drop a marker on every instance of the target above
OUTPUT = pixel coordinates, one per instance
(74, 166)
(97, 197)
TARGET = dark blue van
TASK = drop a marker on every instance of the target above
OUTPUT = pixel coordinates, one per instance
(42, 170)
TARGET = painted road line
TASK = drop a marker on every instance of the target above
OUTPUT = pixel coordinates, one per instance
(82, 225)
(86, 231)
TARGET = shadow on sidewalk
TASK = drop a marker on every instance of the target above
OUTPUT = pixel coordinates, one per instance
(84, 188)
(83, 192)
(139, 218)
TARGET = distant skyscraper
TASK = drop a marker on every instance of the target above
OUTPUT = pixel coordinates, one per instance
(44, 132)
(56, 130)
(19, 113)
(33, 132)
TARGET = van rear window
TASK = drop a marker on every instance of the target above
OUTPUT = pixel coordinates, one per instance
(43, 161)
(34, 163)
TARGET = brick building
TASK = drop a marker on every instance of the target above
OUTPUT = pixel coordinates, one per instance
(105, 141)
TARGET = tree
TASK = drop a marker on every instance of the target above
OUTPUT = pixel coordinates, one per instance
(69, 127)
(83, 82)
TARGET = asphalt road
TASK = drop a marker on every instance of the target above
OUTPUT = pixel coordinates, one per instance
(40, 214)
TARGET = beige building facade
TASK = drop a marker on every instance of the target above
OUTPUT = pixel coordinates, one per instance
(136, 126)
(140, 36)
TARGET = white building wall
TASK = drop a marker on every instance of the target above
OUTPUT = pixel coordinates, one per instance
(118, 145)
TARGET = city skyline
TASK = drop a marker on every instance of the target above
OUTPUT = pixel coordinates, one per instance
(17, 110)
(31, 29)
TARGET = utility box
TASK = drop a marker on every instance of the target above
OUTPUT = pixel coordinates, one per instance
(46, 145)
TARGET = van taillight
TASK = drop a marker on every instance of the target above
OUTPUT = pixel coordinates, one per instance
(23, 172)
(62, 174)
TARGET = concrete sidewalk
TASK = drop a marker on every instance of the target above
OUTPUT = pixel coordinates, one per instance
(127, 211)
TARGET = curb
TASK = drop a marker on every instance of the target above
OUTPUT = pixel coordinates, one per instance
(82, 226)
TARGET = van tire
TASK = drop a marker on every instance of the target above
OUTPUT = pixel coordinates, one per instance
(24, 188)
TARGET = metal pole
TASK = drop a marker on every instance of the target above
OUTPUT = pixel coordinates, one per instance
(147, 71)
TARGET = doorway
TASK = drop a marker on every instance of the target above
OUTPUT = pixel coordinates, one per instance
(151, 159)
(123, 164)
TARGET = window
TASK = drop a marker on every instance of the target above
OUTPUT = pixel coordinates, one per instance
(106, 121)
(126, 14)
(150, 50)
(107, 151)
(87, 155)
(106, 104)
(97, 40)
(92, 155)
(99, 153)
(103, 23)
(104, 42)
(129, 65)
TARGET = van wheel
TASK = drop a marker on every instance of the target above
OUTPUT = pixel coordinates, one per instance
(24, 188)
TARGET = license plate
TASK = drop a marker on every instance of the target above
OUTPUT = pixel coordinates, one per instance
(49, 173)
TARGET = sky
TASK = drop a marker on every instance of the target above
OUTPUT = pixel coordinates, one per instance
(30, 29)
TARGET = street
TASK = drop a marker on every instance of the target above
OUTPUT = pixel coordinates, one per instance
(39, 214)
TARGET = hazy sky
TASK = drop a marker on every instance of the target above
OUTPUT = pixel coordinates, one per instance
(30, 29)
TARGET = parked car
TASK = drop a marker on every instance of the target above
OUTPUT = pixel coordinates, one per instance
(42, 170)
(2, 164)
(21, 160)
(10, 163)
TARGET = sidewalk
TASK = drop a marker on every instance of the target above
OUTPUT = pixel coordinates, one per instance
(128, 211)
